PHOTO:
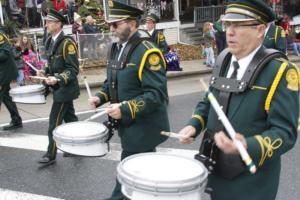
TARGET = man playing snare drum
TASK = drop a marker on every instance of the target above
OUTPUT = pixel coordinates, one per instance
(136, 86)
(258, 90)
(62, 71)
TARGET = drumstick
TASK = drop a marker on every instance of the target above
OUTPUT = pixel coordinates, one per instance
(171, 134)
(87, 87)
(31, 66)
(243, 152)
(41, 77)
(96, 115)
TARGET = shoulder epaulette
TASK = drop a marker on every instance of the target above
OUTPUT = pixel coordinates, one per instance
(148, 44)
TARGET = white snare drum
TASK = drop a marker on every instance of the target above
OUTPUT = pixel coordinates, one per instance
(162, 176)
(82, 138)
(32, 94)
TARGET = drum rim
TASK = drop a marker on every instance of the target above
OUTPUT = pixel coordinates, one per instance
(161, 187)
(79, 140)
(20, 91)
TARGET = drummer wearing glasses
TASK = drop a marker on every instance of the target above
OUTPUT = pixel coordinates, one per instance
(258, 90)
(61, 73)
(136, 85)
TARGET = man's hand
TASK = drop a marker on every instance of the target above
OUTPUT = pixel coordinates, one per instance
(226, 145)
(94, 102)
(51, 80)
(187, 134)
(40, 73)
(114, 111)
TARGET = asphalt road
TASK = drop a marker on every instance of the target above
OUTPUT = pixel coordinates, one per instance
(81, 178)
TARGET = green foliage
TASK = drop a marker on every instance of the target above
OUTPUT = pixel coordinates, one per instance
(10, 27)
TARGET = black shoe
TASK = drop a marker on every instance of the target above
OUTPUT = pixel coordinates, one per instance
(12, 126)
(46, 160)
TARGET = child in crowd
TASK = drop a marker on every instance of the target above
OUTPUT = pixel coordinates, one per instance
(208, 39)
(19, 61)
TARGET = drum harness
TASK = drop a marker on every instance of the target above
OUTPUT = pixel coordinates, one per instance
(116, 65)
(53, 47)
(209, 154)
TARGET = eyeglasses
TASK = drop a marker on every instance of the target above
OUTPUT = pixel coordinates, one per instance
(238, 25)
(116, 24)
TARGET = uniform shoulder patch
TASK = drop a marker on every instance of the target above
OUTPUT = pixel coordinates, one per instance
(71, 49)
(292, 79)
(154, 59)
(161, 37)
(1, 39)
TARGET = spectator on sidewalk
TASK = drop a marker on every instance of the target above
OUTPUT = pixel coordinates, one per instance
(19, 62)
(220, 34)
(208, 38)
(32, 14)
(296, 41)
(28, 55)
(78, 30)
(91, 31)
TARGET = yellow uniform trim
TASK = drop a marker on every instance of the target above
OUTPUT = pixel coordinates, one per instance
(258, 87)
(134, 107)
(6, 38)
(147, 53)
(267, 147)
(275, 85)
(56, 124)
(248, 8)
(200, 119)
(131, 110)
(276, 34)
(105, 95)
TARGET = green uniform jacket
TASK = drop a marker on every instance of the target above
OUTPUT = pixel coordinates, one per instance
(64, 66)
(158, 38)
(142, 91)
(267, 115)
(275, 38)
(8, 67)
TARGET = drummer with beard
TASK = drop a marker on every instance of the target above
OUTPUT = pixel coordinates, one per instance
(61, 73)
(8, 72)
(136, 86)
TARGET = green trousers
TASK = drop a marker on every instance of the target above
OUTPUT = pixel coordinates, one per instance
(10, 105)
(60, 111)
(117, 194)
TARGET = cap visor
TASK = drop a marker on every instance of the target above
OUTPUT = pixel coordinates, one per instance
(235, 17)
(112, 20)
(50, 18)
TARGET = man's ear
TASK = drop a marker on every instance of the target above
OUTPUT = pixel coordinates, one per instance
(261, 30)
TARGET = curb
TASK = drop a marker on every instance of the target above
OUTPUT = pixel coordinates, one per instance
(170, 75)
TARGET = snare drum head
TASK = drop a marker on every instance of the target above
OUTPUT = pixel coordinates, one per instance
(80, 130)
(158, 167)
(27, 89)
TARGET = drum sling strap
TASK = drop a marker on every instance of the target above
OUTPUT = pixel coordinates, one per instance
(227, 165)
(115, 66)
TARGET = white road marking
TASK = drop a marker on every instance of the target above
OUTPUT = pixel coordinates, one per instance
(40, 142)
(46, 118)
(14, 195)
